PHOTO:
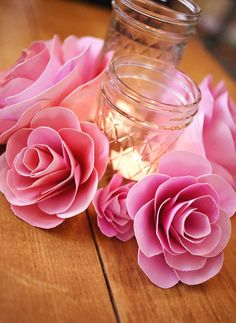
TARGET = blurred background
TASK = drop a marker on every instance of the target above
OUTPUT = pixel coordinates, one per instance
(23, 21)
(217, 29)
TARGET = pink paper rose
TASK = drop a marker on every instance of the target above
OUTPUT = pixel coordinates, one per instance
(50, 171)
(181, 220)
(213, 131)
(110, 205)
(51, 73)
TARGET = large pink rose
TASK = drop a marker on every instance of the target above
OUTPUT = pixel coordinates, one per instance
(181, 220)
(50, 171)
(110, 205)
(51, 73)
(213, 131)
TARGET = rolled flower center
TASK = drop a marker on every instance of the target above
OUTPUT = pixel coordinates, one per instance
(31, 159)
(197, 225)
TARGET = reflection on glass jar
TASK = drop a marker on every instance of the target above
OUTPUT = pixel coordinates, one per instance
(144, 105)
(158, 29)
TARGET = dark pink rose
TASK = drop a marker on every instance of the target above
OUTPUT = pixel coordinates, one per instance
(50, 171)
(51, 73)
(110, 205)
(213, 131)
(181, 220)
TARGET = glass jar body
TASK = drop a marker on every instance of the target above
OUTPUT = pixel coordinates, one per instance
(144, 105)
(146, 28)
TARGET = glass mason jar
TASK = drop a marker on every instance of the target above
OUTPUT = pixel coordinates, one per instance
(155, 28)
(144, 105)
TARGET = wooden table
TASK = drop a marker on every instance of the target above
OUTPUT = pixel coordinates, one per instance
(73, 273)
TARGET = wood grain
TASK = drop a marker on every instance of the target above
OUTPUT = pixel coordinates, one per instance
(15, 31)
(69, 17)
(50, 276)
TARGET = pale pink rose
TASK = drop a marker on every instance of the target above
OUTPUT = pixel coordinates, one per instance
(47, 73)
(110, 205)
(50, 171)
(213, 131)
(181, 220)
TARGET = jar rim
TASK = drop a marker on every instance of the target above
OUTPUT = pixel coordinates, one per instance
(167, 14)
(151, 104)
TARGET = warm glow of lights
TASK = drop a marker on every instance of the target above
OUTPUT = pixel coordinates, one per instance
(123, 106)
(129, 164)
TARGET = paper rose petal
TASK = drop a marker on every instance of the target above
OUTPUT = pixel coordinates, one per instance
(3, 173)
(45, 78)
(34, 216)
(223, 172)
(50, 117)
(86, 192)
(144, 228)
(224, 223)
(227, 154)
(211, 268)
(138, 197)
(101, 146)
(227, 195)
(185, 261)
(45, 136)
(191, 139)
(157, 270)
(169, 189)
(106, 228)
(185, 163)
(15, 144)
(82, 147)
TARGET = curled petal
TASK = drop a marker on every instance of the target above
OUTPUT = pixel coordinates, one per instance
(84, 196)
(185, 261)
(144, 228)
(34, 216)
(115, 182)
(106, 227)
(62, 199)
(226, 155)
(143, 191)
(3, 173)
(183, 163)
(127, 235)
(23, 112)
(226, 194)
(209, 270)
(46, 79)
(82, 148)
(202, 248)
(99, 202)
(225, 224)
(172, 188)
(197, 225)
(101, 146)
(46, 136)
(15, 144)
(164, 228)
(55, 118)
(157, 270)
(223, 172)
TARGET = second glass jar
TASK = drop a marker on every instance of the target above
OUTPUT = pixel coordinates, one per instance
(159, 29)
(144, 105)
